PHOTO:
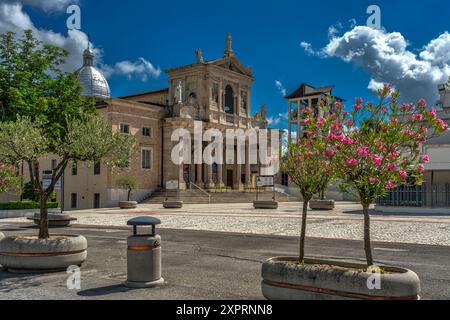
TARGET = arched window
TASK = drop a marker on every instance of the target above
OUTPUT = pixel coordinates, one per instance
(229, 100)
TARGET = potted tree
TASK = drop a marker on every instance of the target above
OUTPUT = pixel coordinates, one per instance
(377, 147)
(127, 183)
(45, 115)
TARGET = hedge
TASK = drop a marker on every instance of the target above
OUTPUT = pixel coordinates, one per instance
(17, 205)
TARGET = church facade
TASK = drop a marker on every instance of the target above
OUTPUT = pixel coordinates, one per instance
(216, 93)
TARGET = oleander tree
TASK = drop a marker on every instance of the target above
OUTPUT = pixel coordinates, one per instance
(378, 148)
(9, 177)
(308, 163)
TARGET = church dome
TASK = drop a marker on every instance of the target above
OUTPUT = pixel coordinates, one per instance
(93, 82)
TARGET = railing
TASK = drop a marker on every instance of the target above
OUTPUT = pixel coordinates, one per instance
(418, 196)
(194, 186)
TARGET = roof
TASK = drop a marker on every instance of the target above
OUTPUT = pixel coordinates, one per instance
(306, 90)
(145, 93)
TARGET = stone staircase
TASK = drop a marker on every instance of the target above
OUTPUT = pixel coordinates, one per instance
(231, 196)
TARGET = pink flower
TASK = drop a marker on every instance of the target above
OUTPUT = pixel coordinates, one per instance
(407, 106)
(417, 117)
(403, 174)
(426, 158)
(352, 162)
(329, 153)
(320, 122)
(363, 152)
(357, 107)
(422, 103)
(373, 180)
(359, 100)
(377, 160)
(298, 158)
(349, 123)
(338, 104)
(421, 167)
(390, 185)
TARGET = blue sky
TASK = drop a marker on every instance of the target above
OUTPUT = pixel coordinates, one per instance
(266, 37)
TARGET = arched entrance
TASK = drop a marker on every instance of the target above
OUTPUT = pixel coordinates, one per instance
(229, 100)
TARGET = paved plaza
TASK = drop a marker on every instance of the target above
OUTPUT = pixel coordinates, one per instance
(345, 222)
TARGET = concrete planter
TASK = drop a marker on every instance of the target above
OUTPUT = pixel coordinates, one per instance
(173, 204)
(54, 219)
(260, 204)
(30, 254)
(128, 204)
(283, 279)
(321, 204)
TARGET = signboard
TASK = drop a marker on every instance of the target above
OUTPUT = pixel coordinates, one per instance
(47, 180)
(265, 181)
(172, 185)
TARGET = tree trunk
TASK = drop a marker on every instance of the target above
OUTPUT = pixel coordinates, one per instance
(367, 244)
(129, 194)
(303, 231)
(43, 228)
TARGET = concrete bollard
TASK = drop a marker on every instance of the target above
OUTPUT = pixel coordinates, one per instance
(144, 255)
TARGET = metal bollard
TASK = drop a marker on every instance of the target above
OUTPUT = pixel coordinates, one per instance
(144, 255)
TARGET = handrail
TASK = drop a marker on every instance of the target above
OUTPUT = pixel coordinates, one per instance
(202, 190)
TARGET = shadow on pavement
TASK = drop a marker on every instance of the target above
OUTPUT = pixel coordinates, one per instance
(103, 291)
(372, 212)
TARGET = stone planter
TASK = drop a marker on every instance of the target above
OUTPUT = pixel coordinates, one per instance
(29, 254)
(54, 219)
(1, 235)
(128, 204)
(321, 204)
(283, 279)
(173, 204)
(261, 204)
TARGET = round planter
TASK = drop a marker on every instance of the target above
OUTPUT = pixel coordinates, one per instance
(173, 204)
(283, 279)
(321, 204)
(260, 204)
(1, 235)
(128, 204)
(54, 219)
(29, 254)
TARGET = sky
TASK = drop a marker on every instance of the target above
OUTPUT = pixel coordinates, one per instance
(286, 43)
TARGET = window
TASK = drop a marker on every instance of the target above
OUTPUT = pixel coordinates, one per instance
(73, 201)
(215, 92)
(96, 200)
(146, 132)
(229, 100)
(74, 168)
(124, 128)
(97, 168)
(146, 159)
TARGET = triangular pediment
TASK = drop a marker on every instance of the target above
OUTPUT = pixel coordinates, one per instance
(233, 64)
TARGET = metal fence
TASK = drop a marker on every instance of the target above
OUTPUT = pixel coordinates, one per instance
(418, 196)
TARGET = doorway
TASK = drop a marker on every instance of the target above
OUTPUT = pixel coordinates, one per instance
(230, 178)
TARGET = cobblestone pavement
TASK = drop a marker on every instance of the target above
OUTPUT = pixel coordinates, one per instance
(344, 222)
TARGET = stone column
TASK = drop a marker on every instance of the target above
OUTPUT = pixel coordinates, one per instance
(290, 122)
(209, 184)
(248, 171)
(199, 181)
(220, 175)
(238, 176)
(181, 177)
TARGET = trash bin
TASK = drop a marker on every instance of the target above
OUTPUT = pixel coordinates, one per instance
(144, 255)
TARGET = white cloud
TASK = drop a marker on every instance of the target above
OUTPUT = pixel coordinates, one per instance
(14, 18)
(308, 48)
(278, 119)
(333, 30)
(280, 87)
(386, 58)
(141, 68)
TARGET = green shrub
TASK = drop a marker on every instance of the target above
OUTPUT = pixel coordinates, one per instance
(18, 205)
